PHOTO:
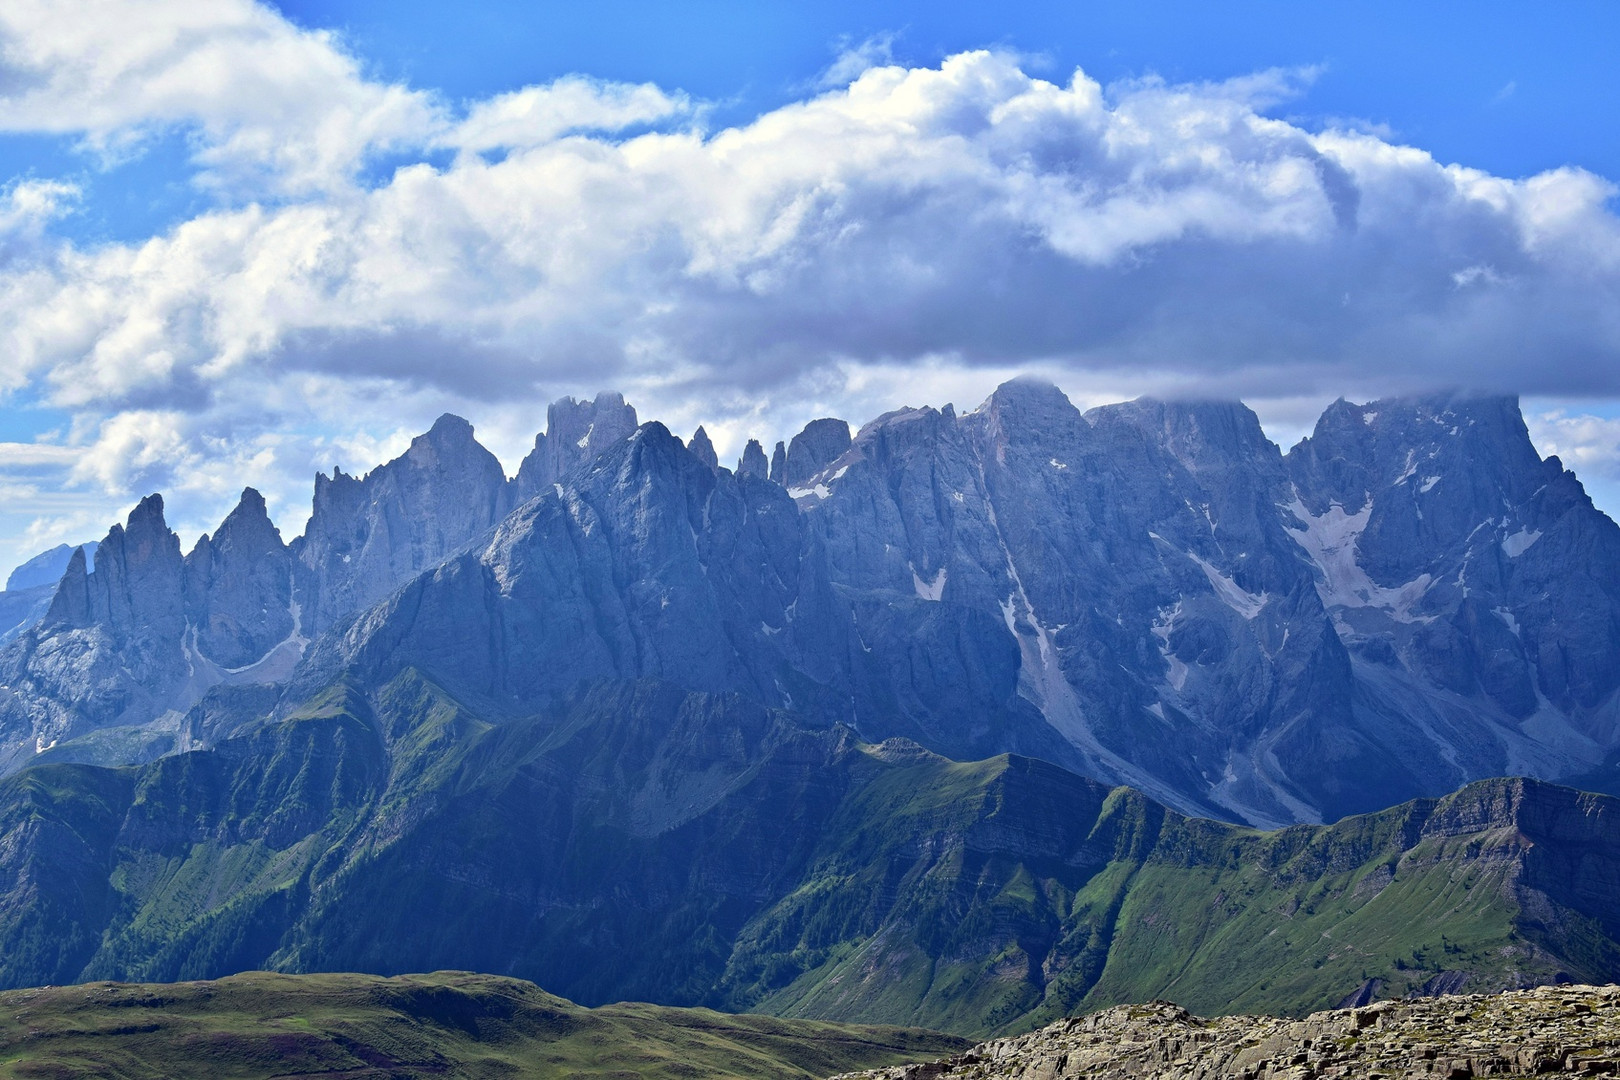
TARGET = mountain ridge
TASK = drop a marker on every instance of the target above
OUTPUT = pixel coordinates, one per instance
(1150, 592)
(651, 842)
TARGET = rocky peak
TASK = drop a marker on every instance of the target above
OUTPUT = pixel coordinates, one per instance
(147, 539)
(135, 585)
(238, 586)
(71, 605)
(1030, 401)
(367, 536)
(1203, 436)
(112, 640)
(1454, 556)
(448, 431)
(779, 464)
(577, 433)
(247, 529)
(47, 567)
(821, 443)
(1028, 411)
(1234, 476)
(1420, 480)
(1358, 451)
(753, 461)
(703, 448)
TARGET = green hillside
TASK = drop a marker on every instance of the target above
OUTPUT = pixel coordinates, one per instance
(445, 1024)
(990, 932)
(646, 843)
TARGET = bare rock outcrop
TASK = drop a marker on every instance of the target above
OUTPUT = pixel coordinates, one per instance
(1522, 1033)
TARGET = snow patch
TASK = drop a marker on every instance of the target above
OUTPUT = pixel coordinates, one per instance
(1041, 682)
(1161, 629)
(585, 439)
(1368, 417)
(1507, 617)
(1517, 544)
(1056, 464)
(1428, 482)
(1008, 616)
(289, 648)
(1232, 594)
(818, 489)
(1330, 541)
(928, 590)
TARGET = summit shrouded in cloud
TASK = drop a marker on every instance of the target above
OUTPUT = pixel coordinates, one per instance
(363, 253)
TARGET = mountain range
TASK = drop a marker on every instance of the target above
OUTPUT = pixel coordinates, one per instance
(962, 720)
(1148, 593)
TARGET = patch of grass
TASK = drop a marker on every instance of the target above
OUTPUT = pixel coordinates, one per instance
(457, 1024)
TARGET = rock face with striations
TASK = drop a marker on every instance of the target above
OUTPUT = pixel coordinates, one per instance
(577, 433)
(109, 651)
(820, 444)
(703, 448)
(239, 588)
(368, 535)
(1150, 593)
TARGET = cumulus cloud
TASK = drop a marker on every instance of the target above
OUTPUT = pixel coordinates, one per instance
(1586, 443)
(908, 231)
(970, 210)
(267, 101)
(27, 206)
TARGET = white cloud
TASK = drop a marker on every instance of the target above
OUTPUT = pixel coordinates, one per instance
(908, 236)
(538, 114)
(969, 211)
(1586, 443)
(269, 103)
(27, 206)
(14, 455)
(854, 59)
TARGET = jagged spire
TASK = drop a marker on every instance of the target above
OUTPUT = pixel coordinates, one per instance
(703, 448)
(753, 461)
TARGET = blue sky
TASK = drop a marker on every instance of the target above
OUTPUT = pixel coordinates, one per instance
(239, 243)
(1513, 88)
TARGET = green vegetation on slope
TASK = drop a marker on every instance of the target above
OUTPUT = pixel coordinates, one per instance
(444, 1024)
(1028, 897)
(647, 843)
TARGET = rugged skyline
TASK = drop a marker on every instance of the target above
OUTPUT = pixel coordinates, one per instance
(850, 730)
(1148, 593)
(239, 244)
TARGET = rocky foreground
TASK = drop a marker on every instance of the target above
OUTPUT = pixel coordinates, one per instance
(1573, 1029)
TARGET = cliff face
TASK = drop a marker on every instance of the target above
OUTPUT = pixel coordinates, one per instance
(368, 535)
(1150, 593)
(239, 588)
